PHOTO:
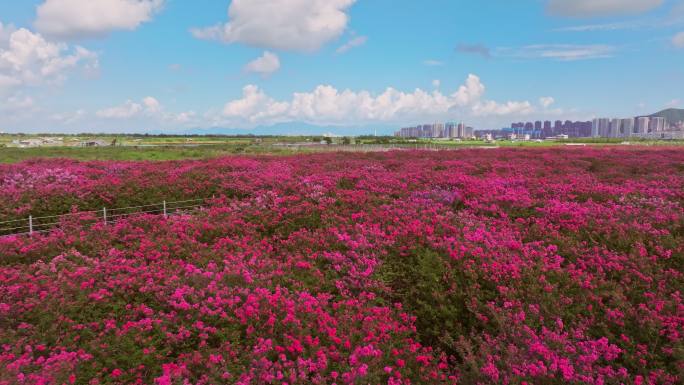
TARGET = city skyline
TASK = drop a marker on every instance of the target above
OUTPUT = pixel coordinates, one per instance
(451, 130)
(341, 66)
(652, 126)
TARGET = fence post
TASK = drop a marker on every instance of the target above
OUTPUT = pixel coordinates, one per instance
(104, 215)
(165, 216)
(30, 224)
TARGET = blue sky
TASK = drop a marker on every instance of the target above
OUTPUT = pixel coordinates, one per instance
(341, 66)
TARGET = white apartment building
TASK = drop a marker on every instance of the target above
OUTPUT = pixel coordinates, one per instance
(600, 127)
(657, 124)
(641, 126)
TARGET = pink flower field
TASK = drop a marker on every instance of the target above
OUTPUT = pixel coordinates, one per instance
(530, 266)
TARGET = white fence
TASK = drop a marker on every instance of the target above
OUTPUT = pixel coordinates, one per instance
(43, 224)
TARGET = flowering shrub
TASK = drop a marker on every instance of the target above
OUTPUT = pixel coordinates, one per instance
(549, 266)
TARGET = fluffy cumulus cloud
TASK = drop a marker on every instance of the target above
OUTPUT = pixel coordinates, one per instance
(594, 8)
(330, 106)
(255, 107)
(265, 64)
(297, 25)
(678, 40)
(28, 59)
(89, 18)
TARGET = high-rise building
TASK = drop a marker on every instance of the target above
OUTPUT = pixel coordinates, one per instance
(627, 126)
(451, 130)
(538, 125)
(641, 125)
(614, 128)
(547, 130)
(557, 127)
(438, 130)
(656, 124)
(461, 130)
(600, 127)
(567, 126)
(604, 127)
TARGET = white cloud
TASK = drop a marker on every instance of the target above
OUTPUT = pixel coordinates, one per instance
(90, 18)
(255, 106)
(678, 40)
(436, 83)
(594, 8)
(27, 58)
(130, 109)
(546, 101)
(149, 109)
(327, 105)
(353, 43)
(298, 25)
(265, 64)
(124, 111)
(184, 117)
(8, 83)
(152, 105)
(16, 104)
(560, 52)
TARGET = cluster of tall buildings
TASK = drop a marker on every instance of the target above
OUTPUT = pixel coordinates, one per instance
(546, 129)
(449, 130)
(639, 127)
(642, 126)
(540, 130)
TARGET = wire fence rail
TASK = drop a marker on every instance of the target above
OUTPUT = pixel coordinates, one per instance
(42, 224)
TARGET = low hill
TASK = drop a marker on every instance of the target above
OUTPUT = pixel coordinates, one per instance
(672, 115)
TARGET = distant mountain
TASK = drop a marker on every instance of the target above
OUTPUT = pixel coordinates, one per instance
(672, 115)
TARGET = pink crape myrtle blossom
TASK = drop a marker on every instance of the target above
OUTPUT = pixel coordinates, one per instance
(536, 266)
